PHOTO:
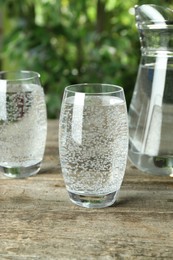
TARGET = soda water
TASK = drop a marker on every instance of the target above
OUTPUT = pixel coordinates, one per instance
(22, 126)
(93, 144)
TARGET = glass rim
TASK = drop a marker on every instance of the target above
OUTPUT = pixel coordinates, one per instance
(117, 88)
(29, 75)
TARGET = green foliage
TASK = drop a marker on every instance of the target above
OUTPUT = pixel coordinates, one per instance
(72, 41)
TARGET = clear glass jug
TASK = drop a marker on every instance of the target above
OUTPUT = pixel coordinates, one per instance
(151, 108)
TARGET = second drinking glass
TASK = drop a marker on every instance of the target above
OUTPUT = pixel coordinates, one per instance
(93, 147)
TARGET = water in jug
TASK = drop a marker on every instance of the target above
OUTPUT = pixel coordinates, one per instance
(151, 108)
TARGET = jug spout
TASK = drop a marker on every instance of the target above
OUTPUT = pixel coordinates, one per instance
(150, 14)
(155, 25)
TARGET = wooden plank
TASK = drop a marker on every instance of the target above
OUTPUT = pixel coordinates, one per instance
(38, 221)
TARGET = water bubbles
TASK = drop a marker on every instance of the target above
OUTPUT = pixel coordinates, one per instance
(97, 163)
(23, 133)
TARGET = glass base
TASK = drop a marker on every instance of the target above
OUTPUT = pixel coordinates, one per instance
(160, 165)
(20, 172)
(90, 201)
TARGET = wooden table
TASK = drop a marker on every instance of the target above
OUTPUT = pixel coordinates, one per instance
(38, 221)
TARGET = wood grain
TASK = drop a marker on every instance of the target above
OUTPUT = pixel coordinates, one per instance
(38, 221)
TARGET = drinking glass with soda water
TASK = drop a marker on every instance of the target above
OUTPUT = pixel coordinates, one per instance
(23, 123)
(93, 143)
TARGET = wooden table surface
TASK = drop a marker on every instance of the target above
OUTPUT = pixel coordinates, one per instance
(38, 221)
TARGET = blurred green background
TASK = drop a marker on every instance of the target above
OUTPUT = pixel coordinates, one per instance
(72, 41)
